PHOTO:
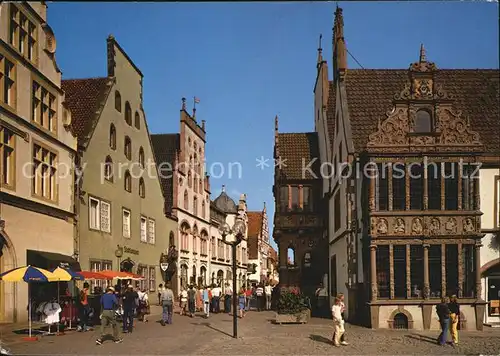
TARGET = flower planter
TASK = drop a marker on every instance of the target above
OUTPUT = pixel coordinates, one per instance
(298, 318)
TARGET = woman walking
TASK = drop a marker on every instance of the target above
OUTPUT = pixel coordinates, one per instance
(443, 312)
(454, 318)
(199, 299)
(241, 303)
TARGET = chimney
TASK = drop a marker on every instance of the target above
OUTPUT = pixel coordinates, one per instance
(183, 107)
(111, 55)
(203, 125)
(276, 150)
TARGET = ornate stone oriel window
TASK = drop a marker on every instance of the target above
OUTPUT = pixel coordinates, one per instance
(423, 121)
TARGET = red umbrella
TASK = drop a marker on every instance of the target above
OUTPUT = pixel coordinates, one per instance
(93, 275)
(121, 275)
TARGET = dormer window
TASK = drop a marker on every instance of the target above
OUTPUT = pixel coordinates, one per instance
(423, 122)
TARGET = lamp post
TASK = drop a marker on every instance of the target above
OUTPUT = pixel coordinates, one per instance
(237, 233)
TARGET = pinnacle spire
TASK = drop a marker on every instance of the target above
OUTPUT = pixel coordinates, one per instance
(422, 58)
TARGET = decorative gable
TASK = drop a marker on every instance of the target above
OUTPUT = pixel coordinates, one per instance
(422, 118)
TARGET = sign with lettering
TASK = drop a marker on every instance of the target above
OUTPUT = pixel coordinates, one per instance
(130, 250)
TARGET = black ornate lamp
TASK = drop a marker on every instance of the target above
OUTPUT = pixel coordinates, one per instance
(233, 236)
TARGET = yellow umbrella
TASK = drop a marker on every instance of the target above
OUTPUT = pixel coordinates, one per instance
(28, 274)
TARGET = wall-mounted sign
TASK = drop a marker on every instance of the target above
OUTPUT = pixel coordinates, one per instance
(164, 266)
(130, 250)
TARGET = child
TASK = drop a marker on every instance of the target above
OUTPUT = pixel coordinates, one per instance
(338, 322)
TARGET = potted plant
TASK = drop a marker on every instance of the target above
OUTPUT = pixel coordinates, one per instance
(293, 307)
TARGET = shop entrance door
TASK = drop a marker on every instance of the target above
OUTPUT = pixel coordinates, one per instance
(493, 299)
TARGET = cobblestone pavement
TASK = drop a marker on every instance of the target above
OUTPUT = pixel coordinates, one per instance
(257, 336)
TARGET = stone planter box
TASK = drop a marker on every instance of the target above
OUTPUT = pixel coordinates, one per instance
(299, 318)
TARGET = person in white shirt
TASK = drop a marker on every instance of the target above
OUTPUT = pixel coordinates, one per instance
(216, 293)
(183, 296)
(259, 293)
(338, 323)
(227, 298)
(268, 290)
(143, 309)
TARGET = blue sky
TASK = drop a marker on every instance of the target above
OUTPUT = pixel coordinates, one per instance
(248, 62)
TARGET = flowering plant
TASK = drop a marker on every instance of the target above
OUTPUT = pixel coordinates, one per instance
(292, 301)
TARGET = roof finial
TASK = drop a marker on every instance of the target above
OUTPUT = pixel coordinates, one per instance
(195, 101)
(223, 188)
(320, 50)
(422, 58)
(183, 104)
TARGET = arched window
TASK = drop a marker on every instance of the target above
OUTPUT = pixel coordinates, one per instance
(112, 137)
(196, 163)
(141, 157)
(128, 181)
(291, 256)
(195, 206)
(190, 180)
(127, 150)
(203, 209)
(186, 200)
(195, 244)
(195, 185)
(118, 101)
(108, 169)
(191, 162)
(137, 121)
(423, 122)
(142, 188)
(128, 113)
(201, 185)
(213, 252)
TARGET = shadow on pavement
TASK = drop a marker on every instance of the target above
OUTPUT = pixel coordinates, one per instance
(208, 325)
(422, 338)
(319, 338)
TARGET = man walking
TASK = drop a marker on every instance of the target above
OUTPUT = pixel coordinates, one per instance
(227, 298)
(259, 292)
(167, 302)
(206, 302)
(191, 300)
(216, 293)
(129, 302)
(84, 308)
(109, 303)
(268, 291)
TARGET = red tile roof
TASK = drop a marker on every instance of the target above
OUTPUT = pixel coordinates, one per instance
(297, 150)
(84, 97)
(370, 93)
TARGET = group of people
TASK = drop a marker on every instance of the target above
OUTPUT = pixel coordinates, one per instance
(448, 312)
(132, 303)
(208, 300)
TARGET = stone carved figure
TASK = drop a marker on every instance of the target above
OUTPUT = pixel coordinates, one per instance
(399, 226)
(417, 227)
(468, 225)
(434, 226)
(382, 226)
(170, 258)
(451, 226)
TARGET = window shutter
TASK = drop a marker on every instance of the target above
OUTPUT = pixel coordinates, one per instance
(105, 217)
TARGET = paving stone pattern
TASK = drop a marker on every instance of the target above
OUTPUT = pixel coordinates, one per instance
(258, 336)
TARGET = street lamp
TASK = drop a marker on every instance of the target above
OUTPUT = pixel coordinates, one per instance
(233, 236)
